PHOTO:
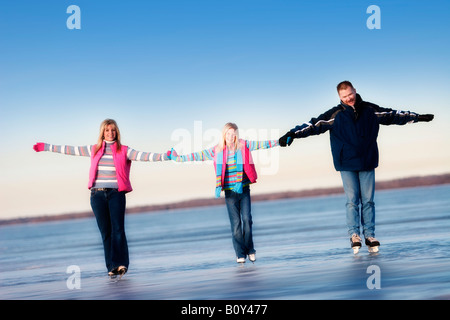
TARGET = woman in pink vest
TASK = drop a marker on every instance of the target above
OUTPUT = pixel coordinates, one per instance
(109, 181)
(235, 171)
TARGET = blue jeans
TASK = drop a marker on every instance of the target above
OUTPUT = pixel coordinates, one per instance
(359, 187)
(239, 211)
(109, 210)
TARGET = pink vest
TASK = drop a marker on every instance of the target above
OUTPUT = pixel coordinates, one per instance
(249, 166)
(121, 162)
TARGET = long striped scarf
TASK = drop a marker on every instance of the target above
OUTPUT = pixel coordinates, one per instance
(221, 163)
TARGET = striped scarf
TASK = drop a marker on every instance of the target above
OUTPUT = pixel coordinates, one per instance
(221, 164)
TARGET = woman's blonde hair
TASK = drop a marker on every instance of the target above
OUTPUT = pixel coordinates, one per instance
(223, 142)
(101, 135)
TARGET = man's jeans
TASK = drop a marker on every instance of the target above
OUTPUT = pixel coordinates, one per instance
(109, 210)
(239, 208)
(359, 187)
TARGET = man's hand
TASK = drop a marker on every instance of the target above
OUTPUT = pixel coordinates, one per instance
(425, 117)
(287, 139)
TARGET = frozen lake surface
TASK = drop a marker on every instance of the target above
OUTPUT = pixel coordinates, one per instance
(302, 246)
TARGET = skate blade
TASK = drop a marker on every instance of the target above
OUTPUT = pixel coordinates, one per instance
(356, 250)
(112, 275)
(373, 249)
(113, 278)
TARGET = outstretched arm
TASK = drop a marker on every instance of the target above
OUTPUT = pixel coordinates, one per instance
(207, 154)
(134, 155)
(315, 126)
(387, 116)
(84, 151)
(256, 145)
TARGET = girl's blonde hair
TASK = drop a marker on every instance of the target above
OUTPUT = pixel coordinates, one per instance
(223, 142)
(101, 136)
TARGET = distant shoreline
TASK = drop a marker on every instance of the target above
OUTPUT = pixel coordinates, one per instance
(418, 181)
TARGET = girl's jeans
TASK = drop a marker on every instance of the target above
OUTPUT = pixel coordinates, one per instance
(239, 211)
(109, 210)
(359, 187)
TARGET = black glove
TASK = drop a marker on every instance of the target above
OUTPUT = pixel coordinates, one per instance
(287, 139)
(425, 117)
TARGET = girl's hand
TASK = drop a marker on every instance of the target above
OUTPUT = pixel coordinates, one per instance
(173, 154)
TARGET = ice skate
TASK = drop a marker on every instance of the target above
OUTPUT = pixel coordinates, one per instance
(113, 274)
(121, 271)
(372, 244)
(355, 241)
(252, 257)
(240, 260)
(117, 273)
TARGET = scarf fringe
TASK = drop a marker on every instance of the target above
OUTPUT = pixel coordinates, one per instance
(218, 191)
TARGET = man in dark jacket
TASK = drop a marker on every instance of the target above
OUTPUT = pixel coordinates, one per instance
(353, 126)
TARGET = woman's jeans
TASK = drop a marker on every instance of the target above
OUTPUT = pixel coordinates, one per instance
(359, 187)
(239, 211)
(109, 210)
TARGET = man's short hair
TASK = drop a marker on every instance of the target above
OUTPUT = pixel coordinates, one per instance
(344, 85)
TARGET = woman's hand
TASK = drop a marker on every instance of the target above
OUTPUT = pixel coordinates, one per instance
(38, 147)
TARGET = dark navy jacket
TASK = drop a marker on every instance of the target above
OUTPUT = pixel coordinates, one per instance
(354, 132)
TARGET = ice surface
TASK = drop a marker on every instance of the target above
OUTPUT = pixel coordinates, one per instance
(303, 252)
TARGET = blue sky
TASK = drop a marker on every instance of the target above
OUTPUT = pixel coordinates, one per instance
(159, 66)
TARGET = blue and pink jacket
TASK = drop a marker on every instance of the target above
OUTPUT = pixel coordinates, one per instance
(245, 167)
